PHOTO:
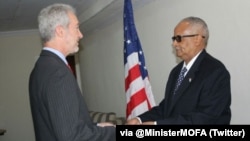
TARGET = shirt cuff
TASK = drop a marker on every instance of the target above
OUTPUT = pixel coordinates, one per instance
(155, 123)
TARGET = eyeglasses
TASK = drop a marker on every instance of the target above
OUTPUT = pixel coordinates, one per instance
(179, 37)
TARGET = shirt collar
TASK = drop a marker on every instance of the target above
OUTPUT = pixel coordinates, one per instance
(189, 65)
(58, 53)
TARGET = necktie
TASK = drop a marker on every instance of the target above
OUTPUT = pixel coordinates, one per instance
(180, 78)
(70, 67)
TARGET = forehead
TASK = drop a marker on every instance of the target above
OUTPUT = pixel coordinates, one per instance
(182, 27)
(73, 18)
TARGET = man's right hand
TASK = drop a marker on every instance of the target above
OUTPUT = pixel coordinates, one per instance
(133, 121)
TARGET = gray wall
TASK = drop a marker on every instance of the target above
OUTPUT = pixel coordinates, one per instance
(18, 52)
(101, 59)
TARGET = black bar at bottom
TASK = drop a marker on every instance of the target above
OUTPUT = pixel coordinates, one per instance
(163, 132)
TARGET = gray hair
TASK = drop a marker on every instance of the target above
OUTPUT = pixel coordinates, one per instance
(198, 24)
(52, 16)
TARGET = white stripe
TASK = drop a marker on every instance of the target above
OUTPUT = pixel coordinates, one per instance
(132, 60)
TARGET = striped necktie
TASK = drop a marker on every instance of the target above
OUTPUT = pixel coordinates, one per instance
(180, 78)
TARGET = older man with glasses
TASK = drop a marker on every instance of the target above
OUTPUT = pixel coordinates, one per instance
(198, 89)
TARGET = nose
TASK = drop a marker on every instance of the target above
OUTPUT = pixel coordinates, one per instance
(80, 34)
(174, 43)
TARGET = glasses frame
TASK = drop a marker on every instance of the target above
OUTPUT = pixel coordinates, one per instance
(178, 38)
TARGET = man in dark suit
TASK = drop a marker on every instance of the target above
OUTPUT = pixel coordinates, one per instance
(58, 108)
(204, 95)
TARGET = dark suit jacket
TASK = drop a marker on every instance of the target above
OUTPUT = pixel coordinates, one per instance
(58, 108)
(204, 97)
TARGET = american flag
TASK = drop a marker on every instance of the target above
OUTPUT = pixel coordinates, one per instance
(138, 90)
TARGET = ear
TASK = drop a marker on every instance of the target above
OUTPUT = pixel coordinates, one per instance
(198, 40)
(59, 31)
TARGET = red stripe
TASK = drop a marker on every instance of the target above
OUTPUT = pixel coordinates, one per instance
(135, 100)
(133, 73)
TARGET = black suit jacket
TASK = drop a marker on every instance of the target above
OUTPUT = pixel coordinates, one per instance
(204, 97)
(58, 108)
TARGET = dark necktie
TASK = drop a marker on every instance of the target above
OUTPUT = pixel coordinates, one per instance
(180, 78)
(70, 67)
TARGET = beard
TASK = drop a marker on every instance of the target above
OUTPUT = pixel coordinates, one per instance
(76, 49)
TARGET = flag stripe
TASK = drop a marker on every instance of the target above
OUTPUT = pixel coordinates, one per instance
(141, 108)
(132, 59)
(135, 100)
(135, 86)
(134, 73)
